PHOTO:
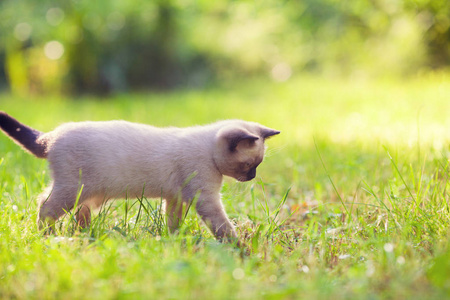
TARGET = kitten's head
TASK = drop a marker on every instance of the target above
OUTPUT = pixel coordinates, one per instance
(240, 148)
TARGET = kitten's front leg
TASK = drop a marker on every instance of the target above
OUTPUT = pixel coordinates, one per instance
(210, 208)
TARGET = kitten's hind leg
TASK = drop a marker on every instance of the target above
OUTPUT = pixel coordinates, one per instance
(174, 213)
(52, 206)
(83, 211)
(83, 216)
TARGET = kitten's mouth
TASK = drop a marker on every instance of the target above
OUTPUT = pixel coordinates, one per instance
(249, 176)
(243, 179)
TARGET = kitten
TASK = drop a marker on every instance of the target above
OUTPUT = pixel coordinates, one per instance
(119, 159)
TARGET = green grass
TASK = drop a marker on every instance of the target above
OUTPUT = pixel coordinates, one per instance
(352, 200)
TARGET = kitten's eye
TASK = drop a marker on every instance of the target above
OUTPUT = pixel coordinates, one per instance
(245, 165)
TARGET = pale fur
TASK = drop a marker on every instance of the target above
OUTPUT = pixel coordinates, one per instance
(118, 159)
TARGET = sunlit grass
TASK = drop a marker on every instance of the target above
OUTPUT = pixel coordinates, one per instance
(350, 202)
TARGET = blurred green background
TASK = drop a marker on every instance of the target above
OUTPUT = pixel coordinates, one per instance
(104, 46)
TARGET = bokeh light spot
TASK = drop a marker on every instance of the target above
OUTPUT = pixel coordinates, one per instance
(238, 274)
(22, 31)
(388, 247)
(54, 50)
(55, 16)
(116, 21)
(281, 72)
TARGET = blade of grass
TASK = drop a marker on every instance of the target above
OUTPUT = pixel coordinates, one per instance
(329, 177)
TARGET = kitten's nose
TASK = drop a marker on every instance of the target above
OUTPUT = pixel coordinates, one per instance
(251, 174)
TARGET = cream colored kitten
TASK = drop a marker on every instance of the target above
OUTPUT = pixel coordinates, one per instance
(118, 159)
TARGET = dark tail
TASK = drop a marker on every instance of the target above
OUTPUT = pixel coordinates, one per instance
(23, 135)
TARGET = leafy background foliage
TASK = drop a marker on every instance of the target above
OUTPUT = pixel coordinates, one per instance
(122, 45)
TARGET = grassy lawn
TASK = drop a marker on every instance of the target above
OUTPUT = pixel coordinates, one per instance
(351, 201)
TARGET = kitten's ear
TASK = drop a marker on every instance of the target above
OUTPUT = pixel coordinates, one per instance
(268, 132)
(237, 135)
